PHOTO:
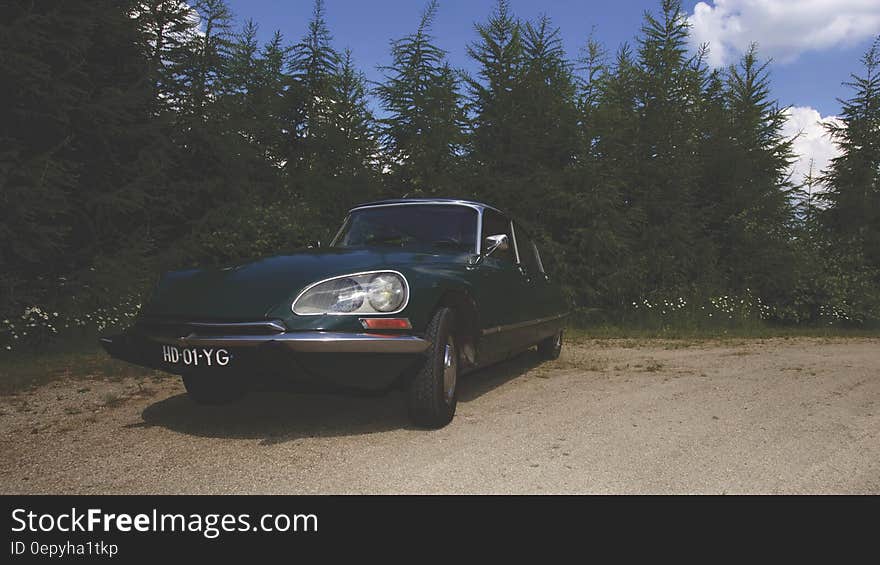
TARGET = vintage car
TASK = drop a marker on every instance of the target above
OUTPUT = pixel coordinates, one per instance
(411, 293)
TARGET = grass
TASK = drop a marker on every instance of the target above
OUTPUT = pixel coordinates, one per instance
(73, 360)
(706, 334)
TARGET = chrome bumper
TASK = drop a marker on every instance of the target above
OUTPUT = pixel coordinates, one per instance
(306, 342)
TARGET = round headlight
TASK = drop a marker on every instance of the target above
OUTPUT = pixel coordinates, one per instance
(349, 295)
(386, 292)
(339, 295)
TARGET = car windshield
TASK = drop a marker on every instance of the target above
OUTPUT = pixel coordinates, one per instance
(413, 225)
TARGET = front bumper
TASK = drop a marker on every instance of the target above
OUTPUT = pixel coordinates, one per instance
(306, 342)
(306, 359)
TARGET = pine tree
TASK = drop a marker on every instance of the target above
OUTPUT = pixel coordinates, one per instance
(716, 170)
(548, 96)
(314, 65)
(209, 53)
(422, 133)
(169, 28)
(79, 156)
(271, 89)
(353, 117)
(755, 195)
(36, 108)
(353, 148)
(669, 224)
(216, 168)
(612, 269)
(333, 163)
(592, 238)
(852, 181)
(494, 95)
(254, 91)
(525, 136)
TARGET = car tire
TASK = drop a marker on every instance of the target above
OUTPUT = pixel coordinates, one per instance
(551, 347)
(211, 390)
(432, 397)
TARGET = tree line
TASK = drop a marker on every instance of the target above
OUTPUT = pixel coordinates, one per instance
(142, 135)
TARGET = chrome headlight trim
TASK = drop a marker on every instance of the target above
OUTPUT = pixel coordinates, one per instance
(359, 312)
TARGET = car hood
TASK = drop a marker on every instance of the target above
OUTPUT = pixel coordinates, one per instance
(251, 290)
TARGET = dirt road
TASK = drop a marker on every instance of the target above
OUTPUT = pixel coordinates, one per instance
(764, 416)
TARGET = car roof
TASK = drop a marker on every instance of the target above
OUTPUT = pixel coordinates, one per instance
(452, 201)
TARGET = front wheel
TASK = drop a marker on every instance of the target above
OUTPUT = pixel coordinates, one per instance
(433, 391)
(551, 347)
(212, 390)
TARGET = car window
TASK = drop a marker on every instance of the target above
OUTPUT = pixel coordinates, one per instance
(528, 253)
(496, 224)
(415, 225)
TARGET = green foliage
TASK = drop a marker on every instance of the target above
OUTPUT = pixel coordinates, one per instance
(853, 181)
(227, 235)
(422, 133)
(143, 135)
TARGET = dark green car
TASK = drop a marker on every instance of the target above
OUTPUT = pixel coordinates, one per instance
(410, 293)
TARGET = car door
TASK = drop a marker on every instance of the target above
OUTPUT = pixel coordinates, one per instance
(547, 300)
(503, 293)
(543, 302)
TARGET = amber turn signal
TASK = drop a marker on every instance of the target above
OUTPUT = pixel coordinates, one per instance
(386, 323)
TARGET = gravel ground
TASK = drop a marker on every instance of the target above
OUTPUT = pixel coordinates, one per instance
(610, 416)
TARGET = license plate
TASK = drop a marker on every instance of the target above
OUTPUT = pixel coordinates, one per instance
(195, 356)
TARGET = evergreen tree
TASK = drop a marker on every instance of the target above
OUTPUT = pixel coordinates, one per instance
(353, 118)
(271, 91)
(525, 137)
(333, 165)
(547, 140)
(669, 223)
(548, 97)
(208, 55)
(169, 27)
(612, 269)
(495, 95)
(852, 181)
(755, 195)
(348, 172)
(314, 65)
(592, 237)
(254, 92)
(422, 133)
(78, 155)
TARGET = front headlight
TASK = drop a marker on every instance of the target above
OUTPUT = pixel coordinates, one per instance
(381, 292)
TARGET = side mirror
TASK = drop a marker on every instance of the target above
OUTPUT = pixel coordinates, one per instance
(494, 243)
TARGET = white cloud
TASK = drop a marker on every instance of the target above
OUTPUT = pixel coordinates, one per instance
(812, 142)
(783, 29)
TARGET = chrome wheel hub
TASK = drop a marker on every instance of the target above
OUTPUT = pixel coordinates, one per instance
(450, 370)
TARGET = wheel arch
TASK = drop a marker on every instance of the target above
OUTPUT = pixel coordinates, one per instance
(467, 322)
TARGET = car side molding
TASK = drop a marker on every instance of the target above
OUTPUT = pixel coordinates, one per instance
(519, 325)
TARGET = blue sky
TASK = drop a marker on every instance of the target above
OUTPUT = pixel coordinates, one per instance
(812, 79)
(815, 44)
